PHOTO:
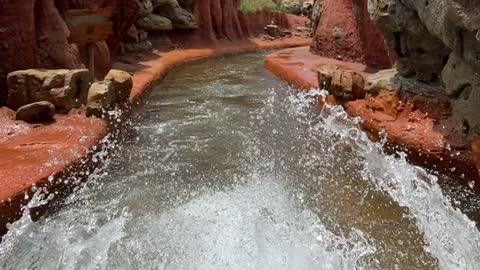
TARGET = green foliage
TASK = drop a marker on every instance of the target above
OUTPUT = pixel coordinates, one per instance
(249, 6)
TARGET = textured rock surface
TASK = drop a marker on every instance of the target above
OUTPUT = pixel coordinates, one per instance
(437, 42)
(66, 89)
(344, 85)
(101, 98)
(221, 20)
(155, 23)
(122, 84)
(38, 31)
(36, 112)
(171, 9)
(344, 31)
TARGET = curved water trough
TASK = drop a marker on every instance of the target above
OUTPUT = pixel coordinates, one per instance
(23, 171)
(225, 167)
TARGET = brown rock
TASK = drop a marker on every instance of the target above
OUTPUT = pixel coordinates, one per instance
(344, 28)
(325, 74)
(36, 112)
(273, 30)
(344, 85)
(66, 89)
(101, 98)
(122, 84)
(143, 46)
(132, 34)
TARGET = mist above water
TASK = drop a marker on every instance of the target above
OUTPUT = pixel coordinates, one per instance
(225, 167)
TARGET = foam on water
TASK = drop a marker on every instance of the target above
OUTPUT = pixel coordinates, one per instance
(253, 226)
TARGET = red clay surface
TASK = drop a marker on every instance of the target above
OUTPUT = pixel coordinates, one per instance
(30, 154)
(419, 126)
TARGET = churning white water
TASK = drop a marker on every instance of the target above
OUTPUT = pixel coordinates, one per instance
(227, 168)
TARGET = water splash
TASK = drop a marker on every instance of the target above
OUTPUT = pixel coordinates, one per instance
(265, 181)
(452, 238)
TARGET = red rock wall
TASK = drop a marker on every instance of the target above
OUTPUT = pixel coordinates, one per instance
(17, 38)
(33, 34)
(345, 31)
(221, 20)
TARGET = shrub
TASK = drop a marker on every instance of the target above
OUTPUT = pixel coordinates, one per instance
(249, 6)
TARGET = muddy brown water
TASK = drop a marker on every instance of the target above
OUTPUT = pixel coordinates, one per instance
(226, 167)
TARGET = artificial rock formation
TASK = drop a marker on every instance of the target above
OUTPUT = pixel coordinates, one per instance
(122, 84)
(104, 95)
(33, 34)
(437, 42)
(66, 89)
(345, 85)
(171, 9)
(343, 30)
(101, 98)
(155, 23)
(36, 112)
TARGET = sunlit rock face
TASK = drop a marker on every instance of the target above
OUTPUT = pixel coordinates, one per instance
(437, 42)
(344, 31)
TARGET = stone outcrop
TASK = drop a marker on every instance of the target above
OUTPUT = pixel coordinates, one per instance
(344, 85)
(66, 89)
(155, 19)
(122, 84)
(105, 95)
(36, 112)
(344, 31)
(437, 42)
(155, 23)
(145, 8)
(33, 34)
(171, 9)
(101, 98)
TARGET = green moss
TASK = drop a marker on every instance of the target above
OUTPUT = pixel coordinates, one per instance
(249, 6)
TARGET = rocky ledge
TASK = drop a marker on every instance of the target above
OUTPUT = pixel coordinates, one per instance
(414, 116)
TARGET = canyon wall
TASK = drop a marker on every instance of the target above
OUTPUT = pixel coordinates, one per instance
(33, 34)
(222, 20)
(437, 42)
(344, 31)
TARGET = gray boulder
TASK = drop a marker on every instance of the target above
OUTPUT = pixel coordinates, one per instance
(155, 23)
(171, 9)
(437, 42)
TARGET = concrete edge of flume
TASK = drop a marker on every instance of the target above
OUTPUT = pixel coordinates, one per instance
(301, 74)
(13, 208)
